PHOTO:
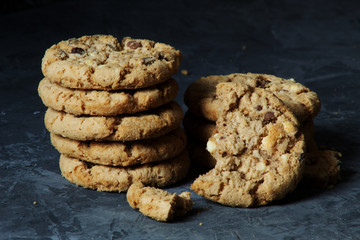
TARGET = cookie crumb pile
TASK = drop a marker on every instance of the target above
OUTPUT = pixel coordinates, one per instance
(255, 133)
(111, 112)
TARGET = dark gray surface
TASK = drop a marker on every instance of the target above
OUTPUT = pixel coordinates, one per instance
(316, 43)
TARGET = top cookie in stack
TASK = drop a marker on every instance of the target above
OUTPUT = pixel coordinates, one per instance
(111, 111)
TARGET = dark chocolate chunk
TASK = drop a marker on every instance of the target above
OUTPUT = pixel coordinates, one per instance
(259, 107)
(262, 82)
(160, 56)
(269, 117)
(134, 44)
(148, 61)
(78, 50)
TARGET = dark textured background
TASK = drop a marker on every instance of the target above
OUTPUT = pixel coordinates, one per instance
(315, 42)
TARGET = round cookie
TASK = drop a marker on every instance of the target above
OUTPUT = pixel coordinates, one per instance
(123, 153)
(106, 103)
(109, 178)
(201, 99)
(149, 124)
(258, 148)
(102, 62)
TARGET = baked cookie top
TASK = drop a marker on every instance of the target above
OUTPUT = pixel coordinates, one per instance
(256, 138)
(106, 103)
(144, 125)
(109, 178)
(201, 98)
(123, 153)
(104, 63)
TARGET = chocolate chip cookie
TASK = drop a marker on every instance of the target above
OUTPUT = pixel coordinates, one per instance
(123, 153)
(106, 103)
(201, 98)
(258, 148)
(103, 62)
(144, 125)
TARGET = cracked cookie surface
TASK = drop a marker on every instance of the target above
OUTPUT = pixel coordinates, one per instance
(258, 148)
(149, 124)
(201, 99)
(123, 153)
(119, 179)
(103, 62)
(106, 103)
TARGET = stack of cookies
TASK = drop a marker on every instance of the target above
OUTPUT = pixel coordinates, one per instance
(111, 112)
(255, 133)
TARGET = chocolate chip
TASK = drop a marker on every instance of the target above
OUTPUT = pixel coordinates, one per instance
(262, 82)
(148, 61)
(78, 50)
(224, 154)
(134, 44)
(269, 117)
(160, 56)
(258, 107)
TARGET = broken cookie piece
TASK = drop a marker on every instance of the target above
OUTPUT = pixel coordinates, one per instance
(257, 146)
(157, 203)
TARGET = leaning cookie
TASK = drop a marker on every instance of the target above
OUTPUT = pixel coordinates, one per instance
(102, 62)
(201, 98)
(123, 153)
(119, 179)
(157, 203)
(149, 124)
(258, 148)
(106, 103)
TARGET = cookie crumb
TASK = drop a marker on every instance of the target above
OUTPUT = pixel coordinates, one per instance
(243, 47)
(35, 202)
(184, 72)
(200, 223)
